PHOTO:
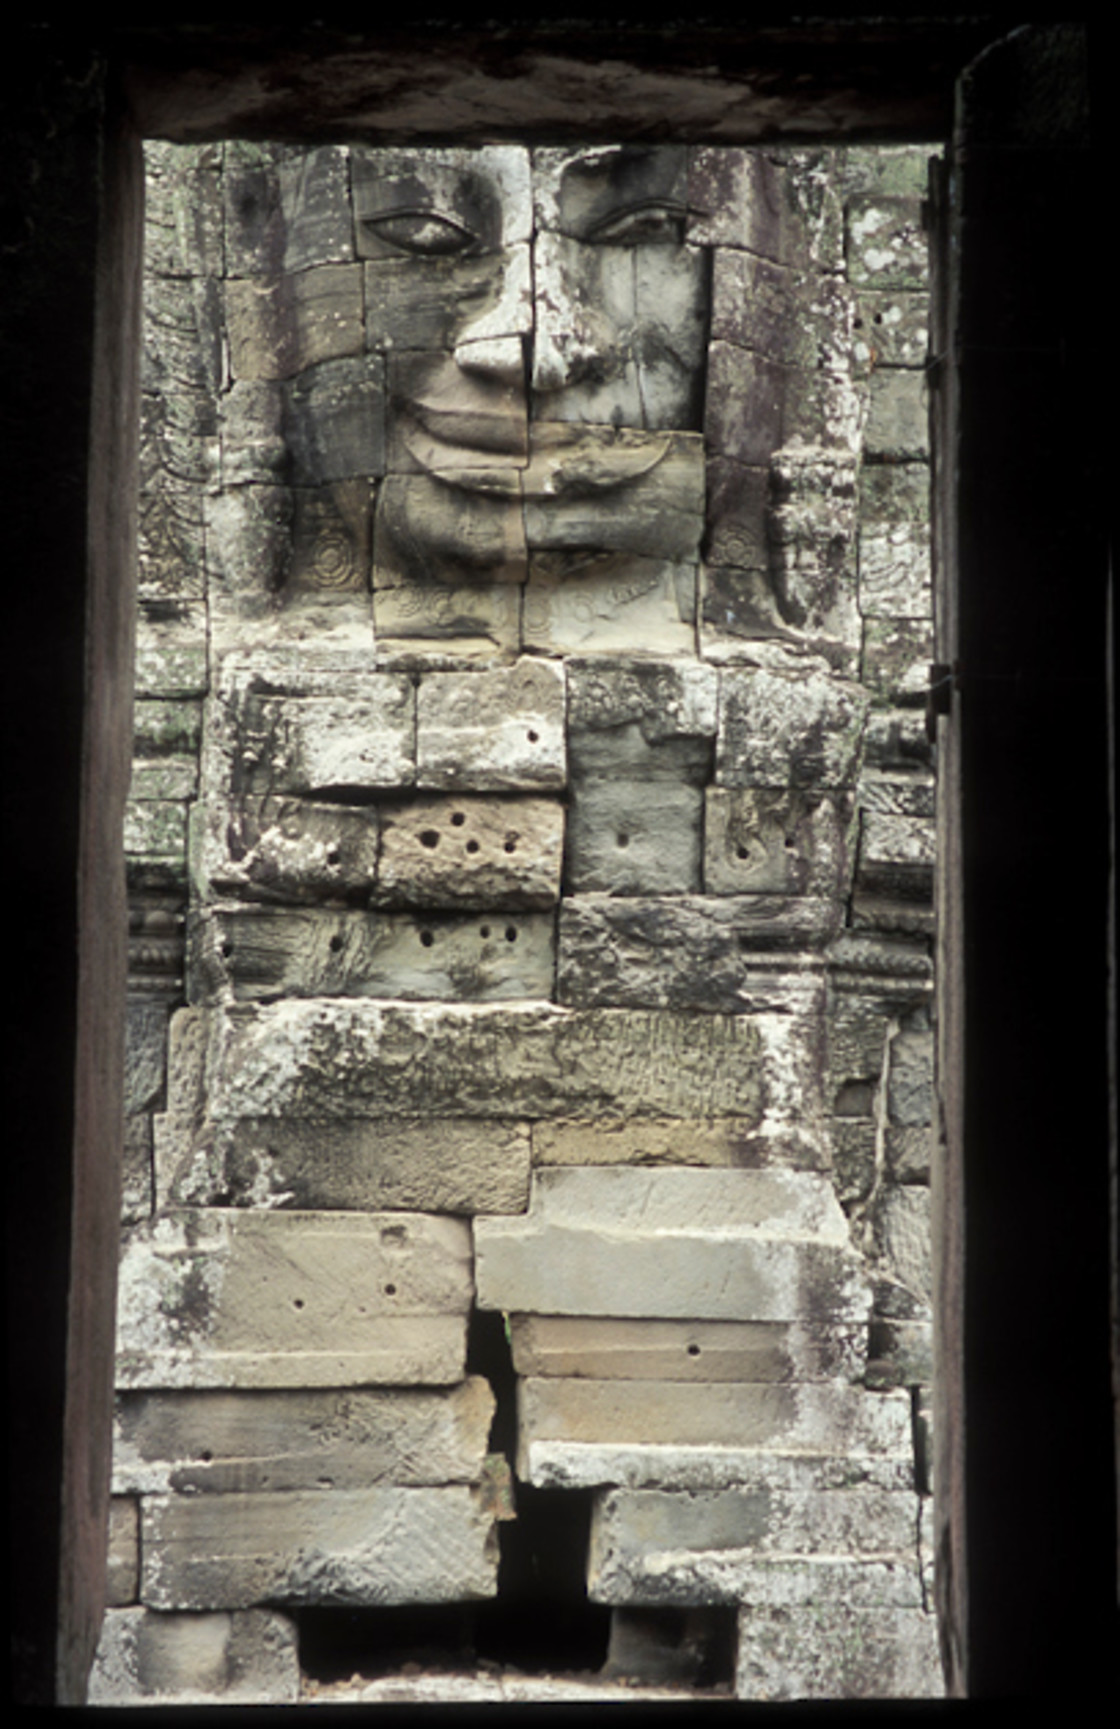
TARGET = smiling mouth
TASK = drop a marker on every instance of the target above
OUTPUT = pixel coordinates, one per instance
(503, 455)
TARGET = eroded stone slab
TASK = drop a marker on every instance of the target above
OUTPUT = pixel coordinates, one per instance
(787, 1420)
(370, 1546)
(251, 1443)
(774, 842)
(224, 1298)
(730, 1141)
(145, 1658)
(604, 604)
(255, 953)
(492, 731)
(833, 1649)
(634, 837)
(605, 1349)
(472, 852)
(288, 850)
(683, 953)
(788, 729)
(341, 1059)
(447, 1165)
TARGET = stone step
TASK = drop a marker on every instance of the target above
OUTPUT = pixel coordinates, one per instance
(830, 1648)
(270, 1299)
(377, 1545)
(247, 1658)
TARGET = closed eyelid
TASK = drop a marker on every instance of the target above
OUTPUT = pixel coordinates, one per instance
(669, 213)
(404, 226)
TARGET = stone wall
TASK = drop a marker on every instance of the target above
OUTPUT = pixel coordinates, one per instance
(555, 940)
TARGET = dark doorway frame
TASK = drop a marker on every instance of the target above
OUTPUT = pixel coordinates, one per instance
(1027, 1582)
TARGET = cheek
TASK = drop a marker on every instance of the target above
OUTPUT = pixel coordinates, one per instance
(427, 303)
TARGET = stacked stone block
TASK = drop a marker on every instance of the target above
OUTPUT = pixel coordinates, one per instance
(533, 644)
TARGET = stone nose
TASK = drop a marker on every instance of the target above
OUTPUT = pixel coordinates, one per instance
(494, 342)
(574, 334)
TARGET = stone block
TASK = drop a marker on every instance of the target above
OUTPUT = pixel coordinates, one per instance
(776, 842)
(812, 529)
(255, 953)
(730, 1141)
(428, 531)
(472, 852)
(562, 1464)
(325, 1060)
(467, 427)
(253, 434)
(281, 324)
(607, 603)
(673, 1245)
(163, 778)
(145, 1053)
(660, 702)
(659, 1546)
(122, 1566)
(575, 189)
(183, 209)
(895, 663)
(682, 953)
(288, 850)
(897, 739)
(788, 729)
(446, 1166)
(854, 1158)
(219, 1443)
(900, 171)
(136, 1171)
(171, 649)
(897, 417)
(171, 559)
(360, 739)
(896, 855)
(223, 1298)
(890, 328)
(898, 794)
(910, 1080)
(424, 304)
(248, 542)
(634, 837)
(787, 316)
(887, 244)
(492, 731)
(368, 1546)
(755, 406)
(835, 1649)
(471, 620)
(608, 488)
(901, 1352)
(143, 1658)
(287, 207)
(901, 1238)
(333, 422)
(909, 1152)
(738, 503)
(620, 330)
(779, 205)
(156, 829)
(602, 1348)
(332, 529)
(486, 189)
(559, 1417)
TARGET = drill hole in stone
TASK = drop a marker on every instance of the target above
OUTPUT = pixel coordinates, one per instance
(510, 846)
(457, 819)
(484, 932)
(426, 938)
(390, 1290)
(511, 933)
(333, 855)
(472, 846)
(429, 837)
(532, 736)
(623, 839)
(335, 944)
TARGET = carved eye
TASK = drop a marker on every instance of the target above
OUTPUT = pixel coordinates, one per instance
(422, 233)
(650, 224)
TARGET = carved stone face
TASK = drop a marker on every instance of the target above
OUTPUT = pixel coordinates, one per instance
(544, 328)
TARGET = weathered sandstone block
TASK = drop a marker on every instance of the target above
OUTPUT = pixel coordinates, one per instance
(288, 850)
(788, 729)
(143, 1658)
(898, 417)
(472, 852)
(280, 325)
(479, 619)
(890, 328)
(334, 421)
(887, 245)
(217, 1298)
(642, 719)
(603, 1348)
(122, 1577)
(730, 1141)
(684, 953)
(773, 842)
(604, 604)
(261, 952)
(325, 1060)
(250, 1443)
(639, 1537)
(423, 1165)
(286, 207)
(760, 202)
(634, 837)
(171, 650)
(370, 1546)
(315, 744)
(673, 1244)
(557, 1417)
(831, 1649)
(499, 731)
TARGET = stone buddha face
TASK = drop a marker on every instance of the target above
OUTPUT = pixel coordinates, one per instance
(543, 322)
